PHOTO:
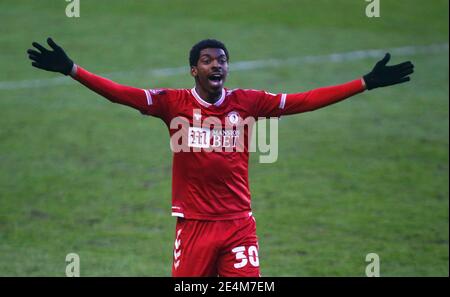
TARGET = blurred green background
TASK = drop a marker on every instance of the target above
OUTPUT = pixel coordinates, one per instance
(79, 174)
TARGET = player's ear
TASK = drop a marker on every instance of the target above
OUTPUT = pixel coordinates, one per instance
(194, 71)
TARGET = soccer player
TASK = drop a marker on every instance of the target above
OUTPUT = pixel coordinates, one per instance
(215, 232)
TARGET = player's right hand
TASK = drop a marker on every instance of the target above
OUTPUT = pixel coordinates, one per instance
(56, 60)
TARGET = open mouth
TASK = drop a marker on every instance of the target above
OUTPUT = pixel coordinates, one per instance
(215, 79)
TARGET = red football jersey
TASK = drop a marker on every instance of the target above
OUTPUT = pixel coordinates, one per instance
(210, 184)
(210, 141)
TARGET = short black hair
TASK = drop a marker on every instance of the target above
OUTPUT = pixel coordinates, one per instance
(194, 54)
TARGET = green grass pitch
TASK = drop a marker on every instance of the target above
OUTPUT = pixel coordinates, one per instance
(370, 174)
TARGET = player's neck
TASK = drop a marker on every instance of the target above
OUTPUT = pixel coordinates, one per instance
(207, 96)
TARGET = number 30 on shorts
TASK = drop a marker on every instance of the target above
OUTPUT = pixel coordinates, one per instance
(243, 258)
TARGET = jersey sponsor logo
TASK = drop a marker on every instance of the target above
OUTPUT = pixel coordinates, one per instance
(227, 133)
(206, 138)
(211, 134)
(199, 137)
(225, 138)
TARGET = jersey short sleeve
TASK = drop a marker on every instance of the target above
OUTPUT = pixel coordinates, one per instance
(160, 103)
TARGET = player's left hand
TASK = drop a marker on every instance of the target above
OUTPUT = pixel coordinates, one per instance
(382, 75)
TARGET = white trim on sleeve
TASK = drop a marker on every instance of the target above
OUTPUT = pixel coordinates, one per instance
(149, 97)
(73, 71)
(282, 101)
(363, 83)
(177, 214)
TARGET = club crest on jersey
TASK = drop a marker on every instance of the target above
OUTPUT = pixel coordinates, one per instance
(233, 117)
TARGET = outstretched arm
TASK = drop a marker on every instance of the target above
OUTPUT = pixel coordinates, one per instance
(380, 76)
(56, 60)
(318, 98)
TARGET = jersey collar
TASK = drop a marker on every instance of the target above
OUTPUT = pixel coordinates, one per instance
(207, 104)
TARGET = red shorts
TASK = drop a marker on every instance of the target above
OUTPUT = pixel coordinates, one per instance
(226, 248)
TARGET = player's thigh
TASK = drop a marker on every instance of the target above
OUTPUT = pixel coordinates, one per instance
(194, 253)
(240, 257)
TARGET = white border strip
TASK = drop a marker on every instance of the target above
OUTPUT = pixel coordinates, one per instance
(149, 97)
(199, 99)
(244, 65)
(203, 102)
(282, 101)
(177, 214)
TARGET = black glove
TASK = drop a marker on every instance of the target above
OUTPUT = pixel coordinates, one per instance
(56, 60)
(382, 75)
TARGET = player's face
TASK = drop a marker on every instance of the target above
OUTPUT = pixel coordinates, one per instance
(211, 70)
